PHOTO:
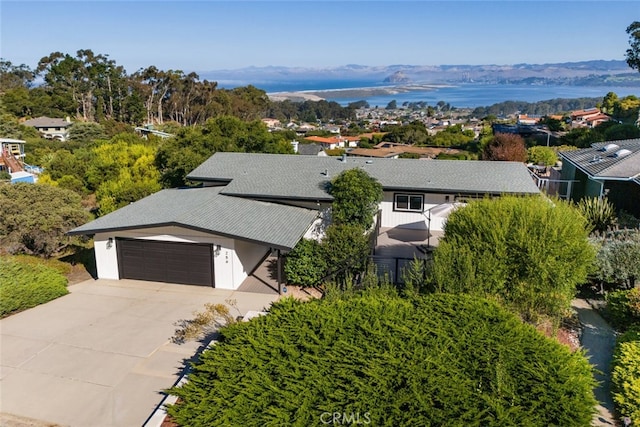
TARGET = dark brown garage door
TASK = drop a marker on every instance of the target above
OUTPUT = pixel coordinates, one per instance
(187, 263)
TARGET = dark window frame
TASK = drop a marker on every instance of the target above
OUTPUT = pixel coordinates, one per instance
(409, 202)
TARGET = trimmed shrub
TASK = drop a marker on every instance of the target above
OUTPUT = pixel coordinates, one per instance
(26, 282)
(623, 308)
(625, 375)
(430, 360)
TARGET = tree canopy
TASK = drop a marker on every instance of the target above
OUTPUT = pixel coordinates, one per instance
(355, 198)
(506, 147)
(633, 53)
(431, 360)
(36, 217)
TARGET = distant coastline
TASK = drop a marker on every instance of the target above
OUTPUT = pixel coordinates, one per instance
(360, 92)
(464, 95)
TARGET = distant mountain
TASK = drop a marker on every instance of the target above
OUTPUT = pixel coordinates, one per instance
(569, 73)
(397, 77)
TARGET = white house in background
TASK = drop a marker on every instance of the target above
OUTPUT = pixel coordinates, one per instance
(51, 128)
(252, 205)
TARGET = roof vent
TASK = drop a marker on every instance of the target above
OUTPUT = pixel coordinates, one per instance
(596, 159)
(610, 147)
(369, 162)
(622, 153)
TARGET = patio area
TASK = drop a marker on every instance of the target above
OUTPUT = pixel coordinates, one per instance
(405, 242)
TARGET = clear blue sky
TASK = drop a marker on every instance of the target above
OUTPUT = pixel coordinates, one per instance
(213, 35)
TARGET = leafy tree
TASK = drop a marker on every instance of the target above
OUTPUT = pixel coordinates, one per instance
(506, 147)
(527, 252)
(86, 132)
(414, 133)
(356, 196)
(453, 135)
(178, 156)
(345, 249)
(392, 105)
(554, 125)
(35, 218)
(539, 155)
(621, 131)
(633, 53)
(430, 360)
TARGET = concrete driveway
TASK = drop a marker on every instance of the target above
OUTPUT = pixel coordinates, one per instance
(102, 355)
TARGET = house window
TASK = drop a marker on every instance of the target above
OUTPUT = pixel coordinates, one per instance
(408, 202)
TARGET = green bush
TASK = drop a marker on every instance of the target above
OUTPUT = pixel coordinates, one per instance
(430, 360)
(618, 258)
(623, 308)
(599, 212)
(305, 264)
(625, 375)
(26, 282)
(528, 252)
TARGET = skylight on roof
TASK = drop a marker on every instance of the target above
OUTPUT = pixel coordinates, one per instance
(610, 147)
(623, 152)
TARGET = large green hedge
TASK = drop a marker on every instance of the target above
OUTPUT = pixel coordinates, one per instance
(26, 282)
(383, 360)
(528, 252)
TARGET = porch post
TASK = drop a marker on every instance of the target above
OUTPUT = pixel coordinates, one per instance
(279, 273)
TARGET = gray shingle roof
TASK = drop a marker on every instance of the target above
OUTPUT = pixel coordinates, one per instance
(46, 122)
(305, 177)
(605, 164)
(205, 209)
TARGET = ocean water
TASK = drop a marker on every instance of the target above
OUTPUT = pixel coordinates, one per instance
(481, 95)
(469, 95)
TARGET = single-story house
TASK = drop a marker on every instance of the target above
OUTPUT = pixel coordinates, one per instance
(51, 128)
(610, 169)
(252, 205)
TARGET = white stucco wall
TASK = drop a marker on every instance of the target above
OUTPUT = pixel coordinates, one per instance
(247, 256)
(228, 265)
(412, 220)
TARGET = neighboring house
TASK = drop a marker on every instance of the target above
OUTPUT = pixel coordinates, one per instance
(11, 154)
(610, 169)
(272, 123)
(591, 117)
(253, 205)
(312, 149)
(147, 130)
(51, 128)
(332, 142)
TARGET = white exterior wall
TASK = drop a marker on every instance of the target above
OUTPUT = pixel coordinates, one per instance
(228, 265)
(106, 257)
(412, 220)
(247, 256)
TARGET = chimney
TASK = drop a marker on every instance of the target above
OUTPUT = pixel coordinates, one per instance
(344, 157)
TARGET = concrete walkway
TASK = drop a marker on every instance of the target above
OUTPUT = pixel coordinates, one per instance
(101, 356)
(599, 340)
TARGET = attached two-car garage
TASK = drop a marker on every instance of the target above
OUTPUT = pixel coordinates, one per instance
(174, 262)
